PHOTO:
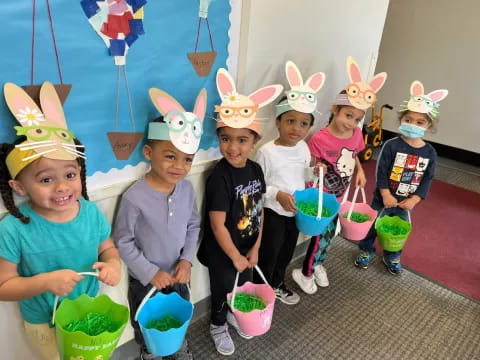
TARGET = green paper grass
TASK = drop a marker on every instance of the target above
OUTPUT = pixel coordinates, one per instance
(165, 323)
(311, 208)
(357, 217)
(247, 302)
(93, 324)
(393, 229)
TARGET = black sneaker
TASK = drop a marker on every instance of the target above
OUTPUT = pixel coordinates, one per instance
(286, 295)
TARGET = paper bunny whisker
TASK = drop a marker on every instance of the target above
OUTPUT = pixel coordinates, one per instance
(37, 144)
(75, 152)
(38, 155)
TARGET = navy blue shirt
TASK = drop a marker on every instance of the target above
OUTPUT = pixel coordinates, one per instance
(404, 169)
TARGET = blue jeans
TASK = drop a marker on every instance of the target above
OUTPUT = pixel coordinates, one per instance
(367, 244)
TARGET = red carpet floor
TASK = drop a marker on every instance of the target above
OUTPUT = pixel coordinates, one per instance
(445, 241)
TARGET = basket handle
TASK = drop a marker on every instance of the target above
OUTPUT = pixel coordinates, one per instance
(320, 193)
(234, 293)
(381, 212)
(150, 293)
(354, 200)
(55, 303)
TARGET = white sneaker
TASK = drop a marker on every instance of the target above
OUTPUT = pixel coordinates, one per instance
(221, 337)
(320, 275)
(306, 284)
(232, 321)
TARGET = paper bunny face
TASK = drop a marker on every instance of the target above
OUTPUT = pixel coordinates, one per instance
(362, 94)
(237, 110)
(424, 104)
(46, 128)
(184, 128)
(302, 96)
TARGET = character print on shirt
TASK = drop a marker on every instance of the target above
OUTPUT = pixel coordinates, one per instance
(400, 160)
(396, 174)
(338, 175)
(402, 189)
(411, 162)
(417, 177)
(422, 164)
(346, 162)
(405, 179)
(250, 197)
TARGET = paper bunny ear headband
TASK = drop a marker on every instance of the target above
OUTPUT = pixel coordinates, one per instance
(45, 129)
(238, 111)
(421, 103)
(360, 94)
(182, 128)
(302, 96)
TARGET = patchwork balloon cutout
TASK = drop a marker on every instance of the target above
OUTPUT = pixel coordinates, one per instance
(303, 96)
(237, 110)
(424, 104)
(362, 94)
(184, 128)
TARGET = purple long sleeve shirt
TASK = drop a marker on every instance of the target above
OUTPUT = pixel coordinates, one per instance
(153, 230)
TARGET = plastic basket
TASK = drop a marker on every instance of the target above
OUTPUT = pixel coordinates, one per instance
(389, 241)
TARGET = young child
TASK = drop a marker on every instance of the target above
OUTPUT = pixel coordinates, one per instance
(405, 169)
(336, 147)
(157, 225)
(284, 162)
(233, 210)
(47, 241)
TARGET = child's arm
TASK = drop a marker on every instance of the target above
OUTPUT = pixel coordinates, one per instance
(360, 178)
(109, 265)
(222, 235)
(14, 287)
(384, 164)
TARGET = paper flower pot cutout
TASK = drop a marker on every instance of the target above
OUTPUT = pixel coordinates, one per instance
(79, 345)
(34, 91)
(123, 143)
(202, 62)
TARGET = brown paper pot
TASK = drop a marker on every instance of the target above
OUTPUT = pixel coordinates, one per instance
(123, 143)
(34, 91)
(202, 62)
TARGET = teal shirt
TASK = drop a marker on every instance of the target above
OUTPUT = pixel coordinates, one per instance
(44, 246)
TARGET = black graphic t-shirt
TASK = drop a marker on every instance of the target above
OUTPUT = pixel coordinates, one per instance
(405, 170)
(238, 192)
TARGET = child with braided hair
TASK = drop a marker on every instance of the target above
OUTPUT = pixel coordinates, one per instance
(57, 233)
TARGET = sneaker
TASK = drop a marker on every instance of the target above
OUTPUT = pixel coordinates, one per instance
(320, 275)
(306, 284)
(286, 295)
(393, 266)
(222, 340)
(232, 321)
(363, 259)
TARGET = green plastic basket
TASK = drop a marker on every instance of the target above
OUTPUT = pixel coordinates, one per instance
(392, 232)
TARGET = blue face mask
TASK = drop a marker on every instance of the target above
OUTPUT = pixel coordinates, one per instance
(412, 131)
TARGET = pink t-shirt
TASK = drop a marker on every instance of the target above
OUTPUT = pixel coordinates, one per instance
(339, 156)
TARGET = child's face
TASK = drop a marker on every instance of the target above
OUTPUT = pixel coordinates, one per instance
(236, 144)
(53, 186)
(169, 165)
(415, 118)
(293, 126)
(347, 118)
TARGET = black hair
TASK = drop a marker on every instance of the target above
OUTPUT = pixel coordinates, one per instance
(279, 116)
(257, 136)
(7, 192)
(332, 115)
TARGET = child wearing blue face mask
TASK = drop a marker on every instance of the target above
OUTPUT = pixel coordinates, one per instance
(405, 169)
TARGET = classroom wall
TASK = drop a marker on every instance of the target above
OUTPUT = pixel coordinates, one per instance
(317, 35)
(436, 42)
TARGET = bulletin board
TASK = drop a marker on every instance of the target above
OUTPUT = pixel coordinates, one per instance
(158, 58)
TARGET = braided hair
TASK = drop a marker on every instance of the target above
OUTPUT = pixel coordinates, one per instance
(7, 192)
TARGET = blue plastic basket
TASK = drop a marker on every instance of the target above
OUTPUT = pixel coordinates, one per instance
(310, 225)
(164, 343)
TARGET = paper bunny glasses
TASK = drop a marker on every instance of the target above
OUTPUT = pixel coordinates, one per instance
(421, 103)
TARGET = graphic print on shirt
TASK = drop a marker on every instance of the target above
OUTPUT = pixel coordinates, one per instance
(407, 173)
(338, 176)
(249, 199)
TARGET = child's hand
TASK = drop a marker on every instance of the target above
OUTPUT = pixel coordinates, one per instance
(287, 201)
(110, 271)
(183, 271)
(316, 168)
(360, 178)
(409, 204)
(62, 282)
(241, 263)
(389, 201)
(252, 257)
(162, 279)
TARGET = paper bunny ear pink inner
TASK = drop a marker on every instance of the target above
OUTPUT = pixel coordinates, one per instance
(353, 70)
(18, 100)
(265, 95)
(201, 104)
(315, 82)
(438, 95)
(164, 102)
(377, 81)
(416, 88)
(225, 82)
(51, 105)
(294, 76)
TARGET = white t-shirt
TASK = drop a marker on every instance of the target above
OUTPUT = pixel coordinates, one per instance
(285, 169)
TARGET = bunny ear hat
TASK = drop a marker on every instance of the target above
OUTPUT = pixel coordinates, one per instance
(184, 129)
(359, 93)
(45, 128)
(237, 110)
(302, 96)
(424, 103)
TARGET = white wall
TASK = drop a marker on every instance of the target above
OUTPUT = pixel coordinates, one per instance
(318, 36)
(436, 42)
